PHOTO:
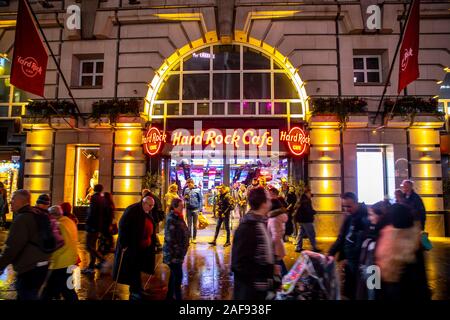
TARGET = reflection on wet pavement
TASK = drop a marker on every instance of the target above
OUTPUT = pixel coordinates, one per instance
(207, 274)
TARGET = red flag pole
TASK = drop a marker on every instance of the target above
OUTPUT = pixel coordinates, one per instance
(53, 56)
(402, 31)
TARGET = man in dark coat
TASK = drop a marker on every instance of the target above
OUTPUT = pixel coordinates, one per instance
(157, 212)
(225, 206)
(414, 201)
(349, 241)
(135, 252)
(252, 257)
(94, 225)
(305, 218)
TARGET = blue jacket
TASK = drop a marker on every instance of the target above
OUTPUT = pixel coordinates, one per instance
(193, 198)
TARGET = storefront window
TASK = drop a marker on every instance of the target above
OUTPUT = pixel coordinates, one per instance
(11, 98)
(86, 174)
(9, 173)
(195, 86)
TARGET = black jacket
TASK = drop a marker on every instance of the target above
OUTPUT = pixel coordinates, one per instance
(94, 221)
(225, 204)
(157, 211)
(252, 259)
(131, 233)
(349, 241)
(414, 201)
(305, 213)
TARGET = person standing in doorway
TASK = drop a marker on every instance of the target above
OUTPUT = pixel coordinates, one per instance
(94, 225)
(194, 204)
(414, 201)
(225, 206)
(305, 218)
(176, 244)
(242, 201)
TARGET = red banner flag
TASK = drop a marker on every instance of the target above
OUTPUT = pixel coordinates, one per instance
(30, 57)
(409, 51)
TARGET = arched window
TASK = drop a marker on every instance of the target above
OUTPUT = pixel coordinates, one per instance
(227, 80)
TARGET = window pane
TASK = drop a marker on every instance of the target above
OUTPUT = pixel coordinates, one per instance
(19, 95)
(99, 67)
(226, 58)
(173, 109)
(3, 111)
(195, 86)
(99, 80)
(158, 109)
(256, 85)
(280, 108)
(86, 80)
(16, 111)
(284, 88)
(234, 108)
(358, 63)
(372, 63)
(358, 76)
(254, 60)
(197, 61)
(88, 67)
(226, 86)
(4, 90)
(218, 108)
(296, 108)
(249, 107)
(276, 65)
(187, 109)
(373, 77)
(5, 67)
(265, 108)
(170, 88)
(203, 108)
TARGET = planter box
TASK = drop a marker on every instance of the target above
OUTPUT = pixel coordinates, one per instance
(357, 121)
(420, 121)
(127, 121)
(63, 122)
(427, 121)
(29, 122)
(324, 121)
(103, 122)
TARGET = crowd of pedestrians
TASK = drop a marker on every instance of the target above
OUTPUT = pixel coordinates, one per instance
(43, 239)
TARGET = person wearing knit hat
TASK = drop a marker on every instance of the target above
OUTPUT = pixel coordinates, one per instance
(43, 201)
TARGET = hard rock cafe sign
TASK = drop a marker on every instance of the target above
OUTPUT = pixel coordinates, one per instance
(296, 139)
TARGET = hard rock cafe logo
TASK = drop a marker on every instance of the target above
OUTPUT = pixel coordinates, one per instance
(405, 58)
(153, 141)
(298, 141)
(30, 66)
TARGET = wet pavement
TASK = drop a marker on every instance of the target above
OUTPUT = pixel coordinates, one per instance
(207, 273)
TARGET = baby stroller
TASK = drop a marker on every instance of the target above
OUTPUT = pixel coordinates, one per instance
(311, 278)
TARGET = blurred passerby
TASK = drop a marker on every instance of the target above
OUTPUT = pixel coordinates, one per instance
(43, 203)
(305, 218)
(399, 255)
(170, 196)
(349, 241)
(106, 241)
(176, 244)
(399, 196)
(252, 258)
(276, 226)
(63, 260)
(242, 201)
(291, 201)
(414, 201)
(4, 208)
(94, 225)
(22, 250)
(225, 206)
(376, 216)
(194, 204)
(135, 250)
(278, 202)
(67, 211)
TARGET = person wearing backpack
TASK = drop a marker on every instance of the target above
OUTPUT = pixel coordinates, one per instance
(24, 248)
(194, 204)
(63, 260)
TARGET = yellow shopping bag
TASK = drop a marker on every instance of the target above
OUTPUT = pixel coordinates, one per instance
(202, 221)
